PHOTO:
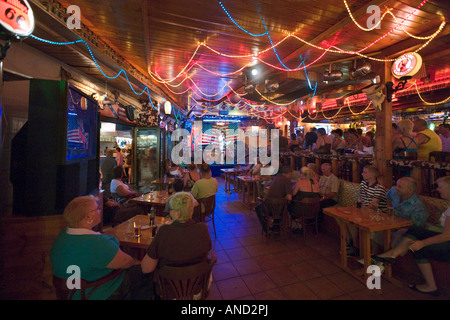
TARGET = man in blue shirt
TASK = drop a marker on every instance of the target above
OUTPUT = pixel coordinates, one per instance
(406, 203)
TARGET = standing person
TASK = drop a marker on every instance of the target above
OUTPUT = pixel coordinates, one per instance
(293, 144)
(119, 157)
(128, 166)
(300, 139)
(323, 143)
(338, 144)
(405, 146)
(97, 255)
(106, 167)
(424, 245)
(427, 140)
(444, 134)
(310, 138)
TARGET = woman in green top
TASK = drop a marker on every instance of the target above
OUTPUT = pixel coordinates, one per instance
(96, 255)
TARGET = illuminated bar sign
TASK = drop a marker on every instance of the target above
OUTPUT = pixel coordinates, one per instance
(16, 18)
(407, 65)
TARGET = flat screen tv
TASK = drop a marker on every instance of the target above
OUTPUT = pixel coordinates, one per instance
(81, 126)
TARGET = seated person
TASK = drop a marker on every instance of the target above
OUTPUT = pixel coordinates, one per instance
(373, 196)
(407, 204)
(281, 187)
(176, 171)
(207, 185)
(305, 187)
(425, 244)
(183, 242)
(338, 144)
(97, 255)
(178, 187)
(119, 188)
(191, 177)
(123, 194)
(328, 189)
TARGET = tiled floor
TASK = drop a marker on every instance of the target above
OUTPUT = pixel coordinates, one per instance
(251, 268)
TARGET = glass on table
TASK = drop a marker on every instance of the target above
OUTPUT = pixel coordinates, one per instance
(137, 230)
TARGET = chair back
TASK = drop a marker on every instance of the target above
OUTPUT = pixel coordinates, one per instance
(185, 282)
(64, 293)
(275, 207)
(205, 208)
(310, 207)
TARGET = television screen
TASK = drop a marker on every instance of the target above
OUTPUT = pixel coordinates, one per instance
(81, 126)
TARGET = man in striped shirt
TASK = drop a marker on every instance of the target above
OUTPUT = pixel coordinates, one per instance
(373, 196)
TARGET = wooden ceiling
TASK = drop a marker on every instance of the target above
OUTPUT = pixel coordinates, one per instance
(160, 39)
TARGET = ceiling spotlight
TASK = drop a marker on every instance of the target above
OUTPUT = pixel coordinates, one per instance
(271, 85)
(332, 75)
(254, 72)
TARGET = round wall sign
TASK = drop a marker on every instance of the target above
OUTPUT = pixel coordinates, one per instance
(16, 18)
(407, 65)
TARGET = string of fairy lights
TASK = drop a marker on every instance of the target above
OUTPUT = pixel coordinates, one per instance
(274, 110)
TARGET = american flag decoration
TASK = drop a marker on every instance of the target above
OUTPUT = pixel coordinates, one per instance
(76, 136)
(212, 131)
(122, 114)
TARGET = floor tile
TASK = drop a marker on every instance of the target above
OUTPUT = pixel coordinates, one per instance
(258, 282)
(233, 288)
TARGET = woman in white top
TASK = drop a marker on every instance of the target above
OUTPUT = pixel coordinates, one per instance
(119, 188)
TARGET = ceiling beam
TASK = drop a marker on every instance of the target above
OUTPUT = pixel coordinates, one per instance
(335, 28)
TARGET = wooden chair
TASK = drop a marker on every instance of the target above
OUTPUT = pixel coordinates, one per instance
(276, 214)
(207, 214)
(185, 282)
(64, 293)
(309, 209)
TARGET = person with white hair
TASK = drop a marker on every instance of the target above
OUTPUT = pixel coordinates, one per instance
(406, 203)
(183, 242)
(425, 244)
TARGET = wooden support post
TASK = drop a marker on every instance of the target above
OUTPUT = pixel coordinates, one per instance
(356, 172)
(383, 134)
(334, 167)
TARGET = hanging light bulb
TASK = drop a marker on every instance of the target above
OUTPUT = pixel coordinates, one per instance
(167, 107)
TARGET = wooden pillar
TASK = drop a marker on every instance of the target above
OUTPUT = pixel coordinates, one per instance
(356, 172)
(334, 167)
(383, 134)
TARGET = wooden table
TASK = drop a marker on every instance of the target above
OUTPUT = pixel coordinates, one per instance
(231, 178)
(367, 221)
(249, 189)
(124, 232)
(158, 200)
(228, 173)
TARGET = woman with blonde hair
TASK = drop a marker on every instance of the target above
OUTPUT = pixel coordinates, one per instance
(97, 255)
(306, 187)
(405, 146)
